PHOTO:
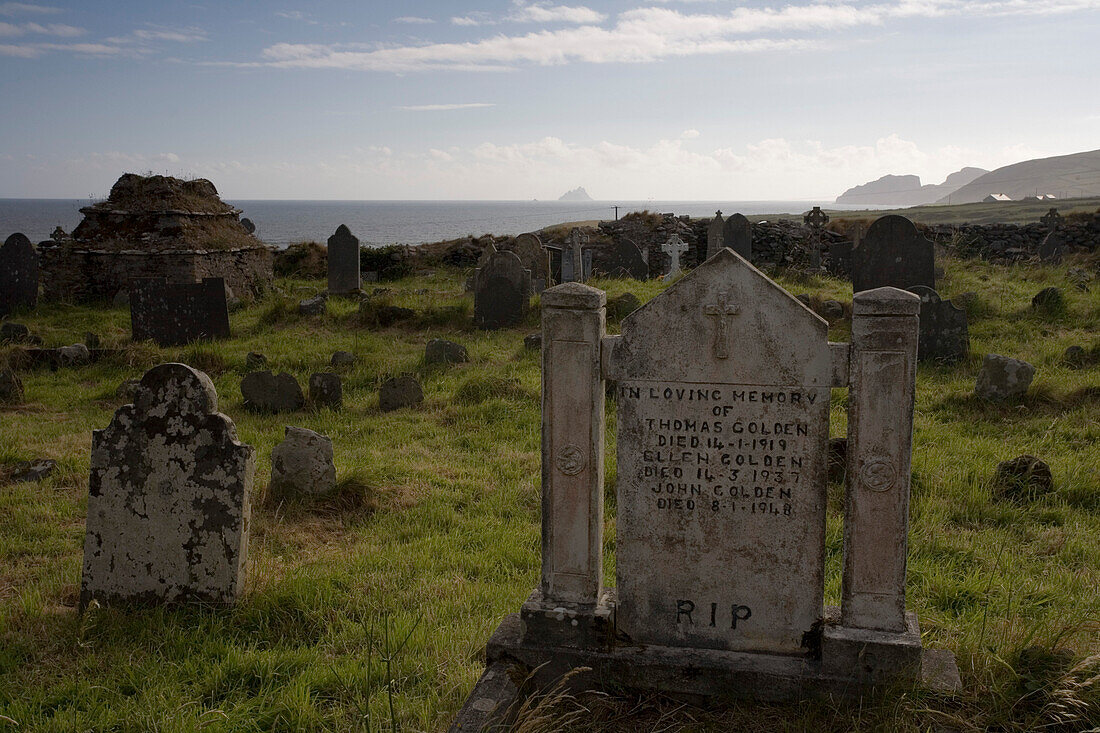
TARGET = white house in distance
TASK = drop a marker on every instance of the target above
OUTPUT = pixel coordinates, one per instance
(995, 197)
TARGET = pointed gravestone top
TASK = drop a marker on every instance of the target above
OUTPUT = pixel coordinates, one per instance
(715, 238)
(738, 235)
(893, 253)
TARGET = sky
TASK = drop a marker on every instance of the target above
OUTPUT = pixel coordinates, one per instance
(514, 99)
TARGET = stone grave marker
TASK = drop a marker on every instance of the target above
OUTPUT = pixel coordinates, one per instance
(1051, 220)
(715, 234)
(944, 334)
(625, 259)
(893, 254)
(18, 274)
(168, 498)
(173, 314)
(576, 261)
(815, 219)
(501, 292)
(535, 258)
(721, 495)
(674, 248)
(1052, 248)
(344, 277)
(738, 235)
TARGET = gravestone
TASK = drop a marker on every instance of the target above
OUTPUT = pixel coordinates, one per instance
(173, 314)
(1052, 248)
(535, 258)
(720, 495)
(624, 259)
(893, 254)
(816, 219)
(738, 235)
(944, 335)
(1051, 220)
(674, 248)
(18, 274)
(303, 463)
(168, 497)
(344, 277)
(576, 261)
(501, 292)
(715, 234)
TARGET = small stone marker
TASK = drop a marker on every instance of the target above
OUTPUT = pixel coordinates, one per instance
(893, 254)
(626, 260)
(674, 248)
(576, 261)
(441, 351)
(737, 235)
(11, 389)
(18, 274)
(398, 392)
(1051, 220)
(501, 292)
(326, 390)
(715, 234)
(173, 314)
(535, 258)
(1052, 248)
(344, 277)
(944, 333)
(303, 463)
(169, 496)
(314, 306)
(1003, 378)
(265, 392)
(342, 360)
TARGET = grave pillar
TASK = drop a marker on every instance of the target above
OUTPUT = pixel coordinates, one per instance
(572, 445)
(880, 441)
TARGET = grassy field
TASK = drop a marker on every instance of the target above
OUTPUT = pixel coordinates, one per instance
(368, 610)
(1002, 212)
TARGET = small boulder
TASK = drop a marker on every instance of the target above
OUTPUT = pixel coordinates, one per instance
(342, 359)
(832, 310)
(1003, 378)
(622, 306)
(1074, 357)
(303, 463)
(74, 355)
(314, 306)
(326, 390)
(265, 392)
(533, 341)
(14, 333)
(1024, 478)
(254, 361)
(35, 470)
(11, 389)
(441, 351)
(128, 389)
(1049, 298)
(399, 392)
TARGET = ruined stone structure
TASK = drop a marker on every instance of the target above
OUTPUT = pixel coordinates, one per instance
(155, 226)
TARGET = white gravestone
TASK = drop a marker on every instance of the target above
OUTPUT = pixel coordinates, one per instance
(674, 248)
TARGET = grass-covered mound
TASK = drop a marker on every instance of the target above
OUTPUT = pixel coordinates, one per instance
(372, 605)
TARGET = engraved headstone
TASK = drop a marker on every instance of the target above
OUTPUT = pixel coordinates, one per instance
(893, 254)
(674, 248)
(343, 262)
(737, 235)
(173, 314)
(303, 463)
(715, 234)
(576, 261)
(501, 292)
(944, 335)
(624, 259)
(18, 274)
(535, 258)
(816, 219)
(168, 499)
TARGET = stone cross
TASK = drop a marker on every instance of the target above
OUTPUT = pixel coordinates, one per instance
(674, 248)
(1052, 219)
(714, 234)
(721, 312)
(816, 219)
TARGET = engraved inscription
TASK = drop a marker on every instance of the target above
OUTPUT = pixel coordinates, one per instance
(721, 313)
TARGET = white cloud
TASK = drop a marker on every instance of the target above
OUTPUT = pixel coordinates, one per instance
(689, 134)
(444, 107)
(17, 8)
(178, 35)
(34, 50)
(413, 20)
(296, 15)
(546, 13)
(50, 29)
(473, 19)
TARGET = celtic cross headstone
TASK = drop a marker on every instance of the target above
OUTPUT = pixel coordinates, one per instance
(674, 248)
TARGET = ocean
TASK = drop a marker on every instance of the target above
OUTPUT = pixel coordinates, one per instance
(379, 223)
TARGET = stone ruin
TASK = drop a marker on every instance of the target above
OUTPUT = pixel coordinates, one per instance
(155, 226)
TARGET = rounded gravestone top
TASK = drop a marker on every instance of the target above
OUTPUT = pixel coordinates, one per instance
(175, 389)
(18, 239)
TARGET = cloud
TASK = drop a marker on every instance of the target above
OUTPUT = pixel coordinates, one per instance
(178, 35)
(473, 19)
(17, 8)
(413, 20)
(34, 50)
(444, 107)
(50, 29)
(297, 15)
(545, 13)
(689, 134)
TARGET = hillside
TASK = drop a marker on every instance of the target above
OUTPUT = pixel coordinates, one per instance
(577, 194)
(891, 190)
(1064, 176)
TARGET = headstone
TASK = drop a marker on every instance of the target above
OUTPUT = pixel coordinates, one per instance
(737, 235)
(343, 262)
(1052, 248)
(893, 254)
(399, 392)
(173, 314)
(502, 291)
(944, 334)
(535, 258)
(1003, 378)
(1051, 220)
(314, 306)
(624, 259)
(576, 261)
(840, 259)
(303, 463)
(18, 274)
(441, 351)
(487, 252)
(816, 219)
(265, 392)
(342, 359)
(168, 499)
(674, 248)
(11, 388)
(715, 234)
(326, 390)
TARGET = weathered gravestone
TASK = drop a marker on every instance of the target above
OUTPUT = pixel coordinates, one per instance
(721, 494)
(344, 277)
(715, 232)
(1052, 248)
(18, 274)
(576, 261)
(501, 292)
(816, 219)
(535, 258)
(738, 235)
(168, 497)
(674, 248)
(177, 313)
(944, 335)
(624, 259)
(893, 254)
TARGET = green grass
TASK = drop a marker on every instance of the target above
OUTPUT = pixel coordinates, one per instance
(382, 596)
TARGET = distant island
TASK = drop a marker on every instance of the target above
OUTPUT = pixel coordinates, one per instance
(577, 194)
(891, 190)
